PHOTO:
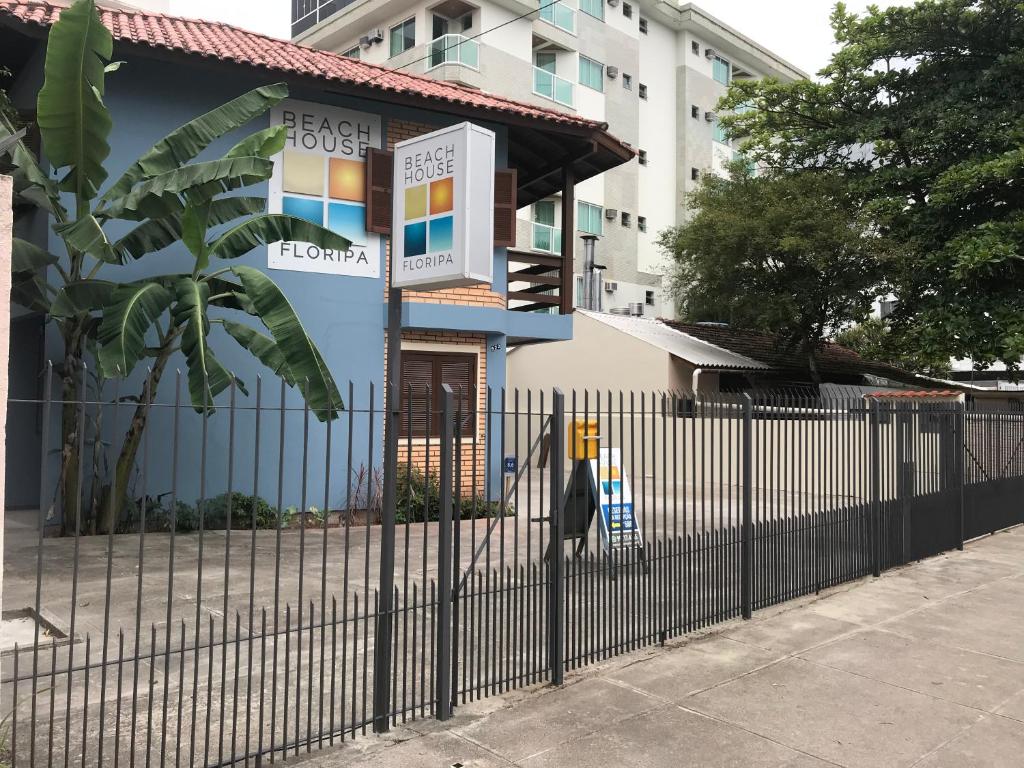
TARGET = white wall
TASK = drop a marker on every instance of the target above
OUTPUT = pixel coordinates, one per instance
(657, 182)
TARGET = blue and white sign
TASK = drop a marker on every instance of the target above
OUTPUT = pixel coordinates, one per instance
(619, 526)
(511, 465)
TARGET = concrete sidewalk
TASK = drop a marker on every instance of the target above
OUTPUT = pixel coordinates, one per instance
(922, 667)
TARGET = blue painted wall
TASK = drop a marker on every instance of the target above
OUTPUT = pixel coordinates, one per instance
(344, 315)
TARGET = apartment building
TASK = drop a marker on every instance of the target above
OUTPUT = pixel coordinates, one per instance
(653, 70)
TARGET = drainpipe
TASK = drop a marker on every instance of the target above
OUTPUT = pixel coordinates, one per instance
(696, 378)
(588, 272)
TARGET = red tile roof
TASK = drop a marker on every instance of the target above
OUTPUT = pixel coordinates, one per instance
(231, 44)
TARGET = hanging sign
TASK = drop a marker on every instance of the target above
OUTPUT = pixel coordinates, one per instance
(619, 526)
(320, 176)
(443, 216)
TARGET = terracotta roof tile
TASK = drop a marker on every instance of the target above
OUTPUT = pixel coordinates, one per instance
(232, 44)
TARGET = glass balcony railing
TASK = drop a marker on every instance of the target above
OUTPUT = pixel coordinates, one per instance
(551, 86)
(559, 15)
(454, 49)
(546, 238)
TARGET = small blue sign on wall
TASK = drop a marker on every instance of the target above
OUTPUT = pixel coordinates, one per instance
(511, 465)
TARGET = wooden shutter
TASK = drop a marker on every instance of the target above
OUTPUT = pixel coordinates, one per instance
(423, 374)
(417, 385)
(505, 189)
(379, 168)
(458, 371)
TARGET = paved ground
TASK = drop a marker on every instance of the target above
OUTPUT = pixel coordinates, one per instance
(922, 667)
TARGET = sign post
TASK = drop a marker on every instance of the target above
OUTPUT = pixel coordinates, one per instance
(442, 236)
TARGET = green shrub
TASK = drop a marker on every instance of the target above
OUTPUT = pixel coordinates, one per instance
(243, 506)
(414, 490)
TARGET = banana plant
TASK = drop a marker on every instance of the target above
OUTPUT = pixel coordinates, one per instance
(171, 198)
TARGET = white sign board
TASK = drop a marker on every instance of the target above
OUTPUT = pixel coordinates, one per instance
(619, 526)
(443, 215)
(321, 177)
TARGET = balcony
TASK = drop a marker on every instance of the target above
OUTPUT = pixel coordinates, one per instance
(551, 86)
(559, 15)
(308, 13)
(454, 49)
(546, 238)
(538, 283)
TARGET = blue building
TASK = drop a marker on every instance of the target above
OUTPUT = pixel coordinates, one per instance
(176, 69)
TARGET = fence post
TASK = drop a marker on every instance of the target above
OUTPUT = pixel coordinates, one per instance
(959, 448)
(442, 678)
(747, 557)
(875, 521)
(556, 582)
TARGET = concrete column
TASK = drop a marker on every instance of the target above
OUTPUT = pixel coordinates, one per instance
(6, 234)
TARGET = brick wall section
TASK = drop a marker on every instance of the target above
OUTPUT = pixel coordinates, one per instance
(475, 295)
(419, 446)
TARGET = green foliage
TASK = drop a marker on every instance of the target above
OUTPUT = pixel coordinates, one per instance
(876, 340)
(418, 497)
(782, 253)
(243, 507)
(922, 112)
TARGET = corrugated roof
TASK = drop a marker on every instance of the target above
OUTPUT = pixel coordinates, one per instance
(689, 348)
(231, 44)
(831, 359)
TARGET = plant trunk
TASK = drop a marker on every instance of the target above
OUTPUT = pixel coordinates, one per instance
(70, 485)
(812, 365)
(117, 494)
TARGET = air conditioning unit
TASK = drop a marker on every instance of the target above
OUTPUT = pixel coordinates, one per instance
(610, 213)
(365, 41)
(611, 286)
(710, 117)
(710, 53)
(612, 72)
(377, 36)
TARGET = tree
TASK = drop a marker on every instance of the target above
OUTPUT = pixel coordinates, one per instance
(922, 111)
(780, 253)
(876, 340)
(168, 197)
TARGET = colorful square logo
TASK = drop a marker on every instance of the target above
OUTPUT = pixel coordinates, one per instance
(415, 202)
(442, 196)
(428, 211)
(348, 220)
(304, 208)
(441, 230)
(416, 239)
(303, 173)
(347, 180)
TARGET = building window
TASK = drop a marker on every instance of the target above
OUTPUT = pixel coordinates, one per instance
(641, 224)
(642, 156)
(719, 133)
(589, 218)
(649, 298)
(423, 374)
(403, 36)
(627, 82)
(626, 219)
(592, 74)
(467, 22)
(695, 47)
(593, 8)
(544, 60)
(643, 26)
(721, 70)
(694, 174)
(695, 112)
(643, 91)
(627, 10)
(352, 53)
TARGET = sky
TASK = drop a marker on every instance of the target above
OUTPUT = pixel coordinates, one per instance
(796, 30)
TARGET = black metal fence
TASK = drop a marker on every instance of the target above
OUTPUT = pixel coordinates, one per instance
(245, 627)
